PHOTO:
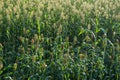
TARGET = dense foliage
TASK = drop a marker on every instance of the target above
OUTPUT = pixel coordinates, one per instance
(59, 39)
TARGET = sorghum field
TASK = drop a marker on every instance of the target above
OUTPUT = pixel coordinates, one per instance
(59, 39)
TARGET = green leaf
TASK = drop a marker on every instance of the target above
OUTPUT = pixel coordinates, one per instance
(38, 26)
(81, 32)
(1, 72)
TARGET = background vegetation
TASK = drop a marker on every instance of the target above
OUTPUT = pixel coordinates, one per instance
(60, 39)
